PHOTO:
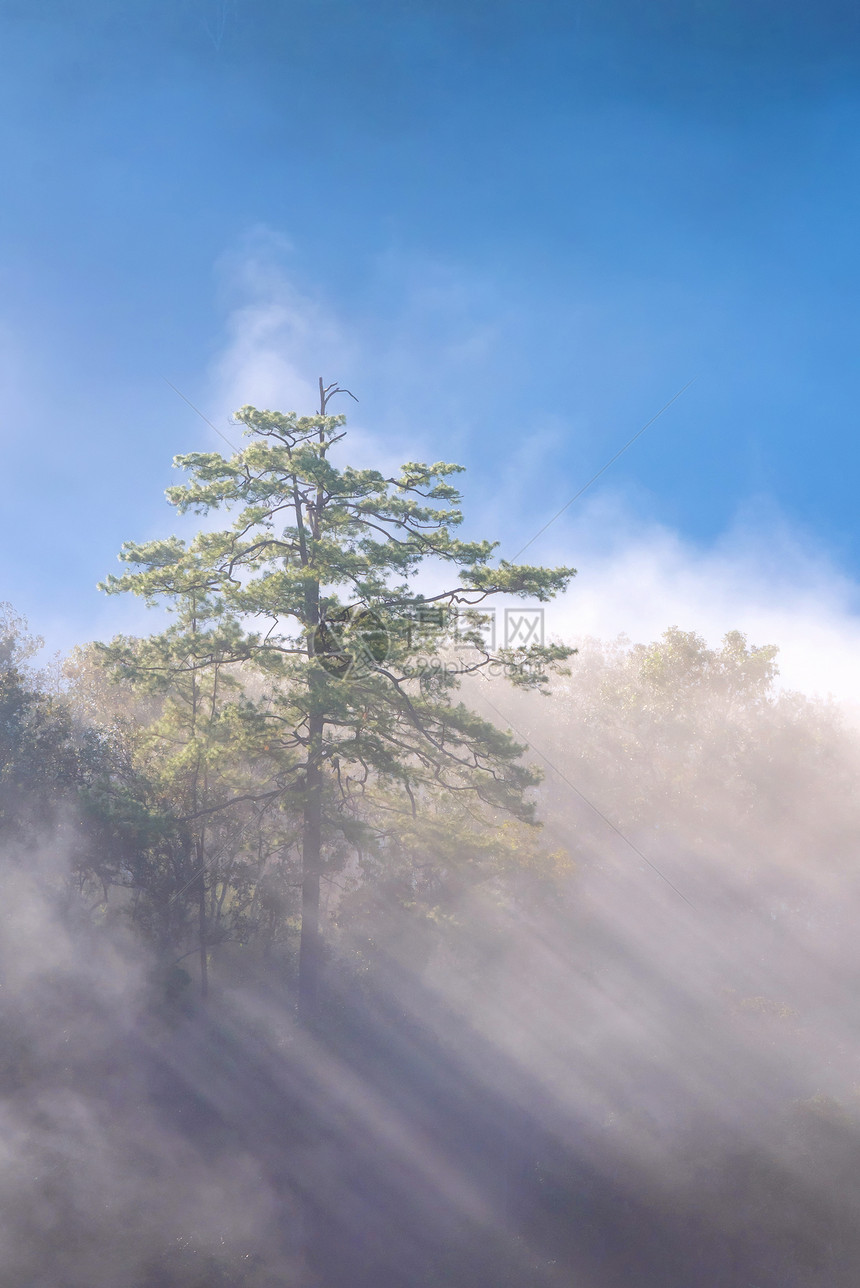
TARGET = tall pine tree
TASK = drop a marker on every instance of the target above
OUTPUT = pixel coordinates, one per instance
(317, 564)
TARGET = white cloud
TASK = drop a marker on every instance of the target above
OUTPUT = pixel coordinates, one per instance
(636, 577)
(417, 352)
(760, 577)
(276, 336)
(279, 340)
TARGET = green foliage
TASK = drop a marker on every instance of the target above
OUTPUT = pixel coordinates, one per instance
(310, 544)
(408, 896)
(211, 774)
(45, 757)
(695, 749)
(311, 588)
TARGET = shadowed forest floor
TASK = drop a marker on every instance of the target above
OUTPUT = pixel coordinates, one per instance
(384, 1152)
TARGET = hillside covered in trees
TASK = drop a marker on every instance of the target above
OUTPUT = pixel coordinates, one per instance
(619, 1047)
(386, 902)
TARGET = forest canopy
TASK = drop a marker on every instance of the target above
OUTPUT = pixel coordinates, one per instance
(632, 987)
(319, 882)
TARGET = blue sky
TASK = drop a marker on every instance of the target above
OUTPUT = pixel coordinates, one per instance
(514, 229)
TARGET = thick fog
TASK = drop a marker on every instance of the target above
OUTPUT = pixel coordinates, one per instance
(637, 1064)
(691, 1001)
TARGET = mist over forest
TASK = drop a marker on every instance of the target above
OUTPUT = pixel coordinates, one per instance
(428, 849)
(620, 1047)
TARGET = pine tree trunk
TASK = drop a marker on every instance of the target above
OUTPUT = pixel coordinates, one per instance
(310, 944)
(201, 919)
